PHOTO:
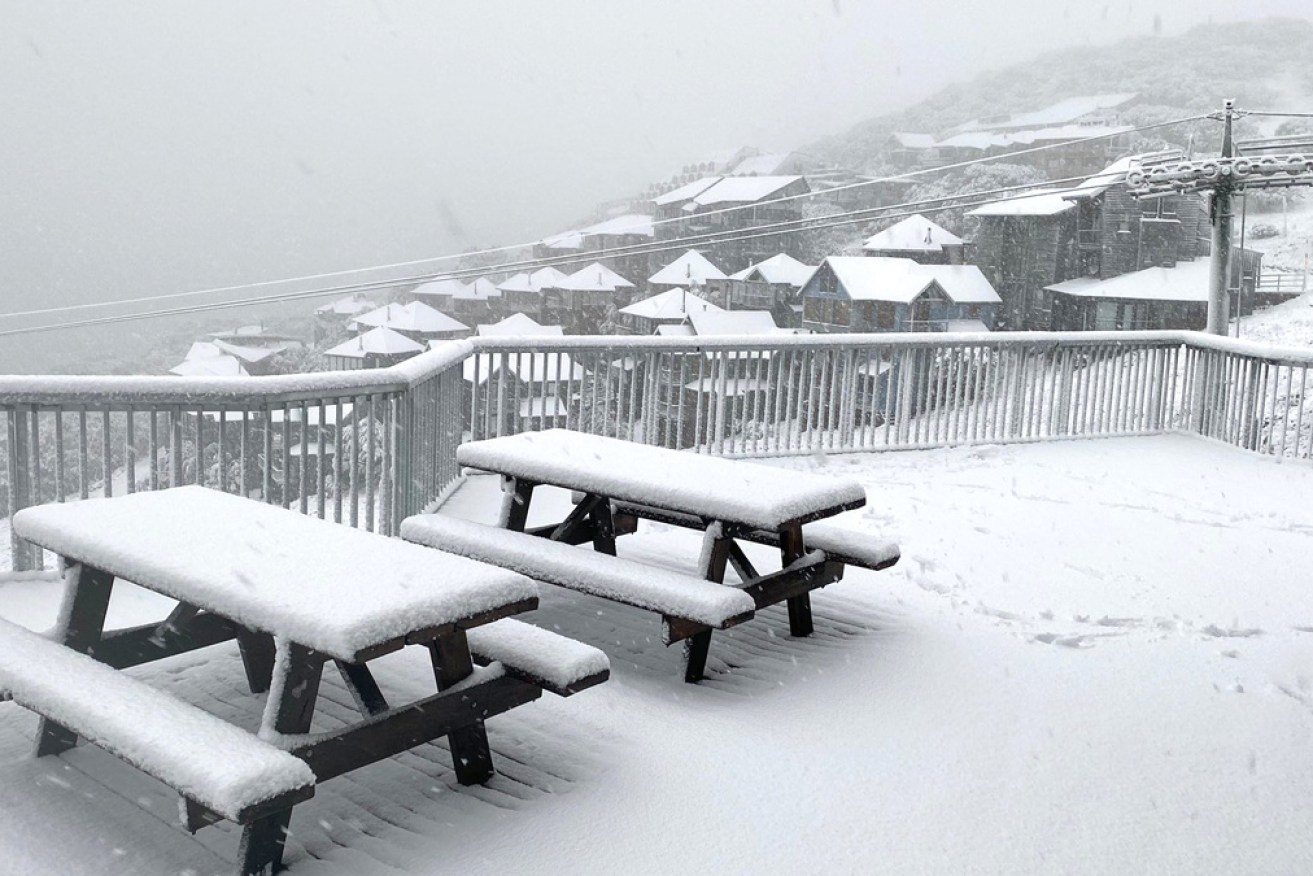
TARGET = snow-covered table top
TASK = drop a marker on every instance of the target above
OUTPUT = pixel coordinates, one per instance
(705, 486)
(332, 588)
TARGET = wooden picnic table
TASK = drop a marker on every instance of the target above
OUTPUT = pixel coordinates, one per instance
(729, 500)
(323, 592)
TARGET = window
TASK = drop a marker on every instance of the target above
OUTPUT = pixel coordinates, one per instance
(885, 315)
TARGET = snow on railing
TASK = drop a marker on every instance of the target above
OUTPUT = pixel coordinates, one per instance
(367, 448)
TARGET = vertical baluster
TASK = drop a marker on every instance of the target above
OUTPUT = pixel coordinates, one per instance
(358, 419)
(303, 464)
(338, 450)
(60, 481)
(243, 453)
(223, 446)
(1299, 416)
(130, 456)
(267, 469)
(369, 461)
(154, 439)
(321, 409)
(83, 453)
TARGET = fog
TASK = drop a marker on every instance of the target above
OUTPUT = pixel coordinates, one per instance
(148, 147)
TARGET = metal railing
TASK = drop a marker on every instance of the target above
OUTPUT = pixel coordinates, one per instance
(364, 448)
(367, 448)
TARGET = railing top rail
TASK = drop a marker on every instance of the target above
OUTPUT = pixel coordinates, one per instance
(251, 392)
(1274, 353)
(538, 343)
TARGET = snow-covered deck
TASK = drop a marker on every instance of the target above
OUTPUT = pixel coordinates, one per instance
(1095, 656)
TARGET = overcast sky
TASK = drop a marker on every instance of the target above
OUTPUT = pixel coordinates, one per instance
(157, 146)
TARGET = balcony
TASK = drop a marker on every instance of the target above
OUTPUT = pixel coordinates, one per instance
(1092, 656)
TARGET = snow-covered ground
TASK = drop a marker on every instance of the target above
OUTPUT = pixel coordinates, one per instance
(1094, 657)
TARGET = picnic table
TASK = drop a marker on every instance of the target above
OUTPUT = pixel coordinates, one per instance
(296, 593)
(620, 481)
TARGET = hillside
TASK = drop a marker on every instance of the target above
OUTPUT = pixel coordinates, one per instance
(1263, 65)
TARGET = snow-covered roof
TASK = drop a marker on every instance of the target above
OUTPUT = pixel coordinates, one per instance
(762, 165)
(518, 324)
(1188, 281)
(1004, 139)
(564, 240)
(781, 268)
(544, 406)
(916, 233)
(1060, 113)
(672, 304)
(381, 341)
(743, 189)
(630, 223)
(249, 355)
(965, 325)
(203, 350)
(443, 287)
(692, 265)
(729, 387)
(221, 365)
(348, 306)
(416, 317)
(914, 141)
(679, 330)
(1043, 202)
(686, 192)
(878, 278)
(596, 277)
(1104, 179)
(734, 322)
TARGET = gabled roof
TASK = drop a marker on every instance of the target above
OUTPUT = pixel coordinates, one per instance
(734, 322)
(743, 189)
(203, 350)
(686, 192)
(518, 324)
(1103, 180)
(916, 233)
(442, 287)
(1188, 281)
(630, 223)
(378, 342)
(914, 141)
(415, 317)
(691, 266)
(867, 278)
(671, 304)
(249, 355)
(564, 240)
(1042, 202)
(763, 165)
(348, 306)
(782, 268)
(1061, 113)
(210, 366)
(484, 288)
(596, 277)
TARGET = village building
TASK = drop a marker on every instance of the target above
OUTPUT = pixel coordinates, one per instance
(376, 348)
(439, 294)
(524, 389)
(875, 294)
(1151, 298)
(919, 239)
(416, 320)
(257, 336)
(477, 301)
(620, 243)
(207, 359)
(773, 285)
(539, 294)
(1095, 230)
(723, 205)
(669, 308)
(335, 316)
(692, 269)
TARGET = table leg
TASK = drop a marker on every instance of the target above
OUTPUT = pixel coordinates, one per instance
(257, 650)
(698, 646)
(515, 502)
(603, 527)
(88, 600)
(261, 848)
(800, 607)
(470, 754)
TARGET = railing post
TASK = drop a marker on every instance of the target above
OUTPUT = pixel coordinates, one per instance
(20, 483)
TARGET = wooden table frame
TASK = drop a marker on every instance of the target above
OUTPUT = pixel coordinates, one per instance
(599, 520)
(383, 732)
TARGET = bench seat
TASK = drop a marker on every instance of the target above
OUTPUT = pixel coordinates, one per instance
(672, 594)
(553, 662)
(852, 547)
(224, 768)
